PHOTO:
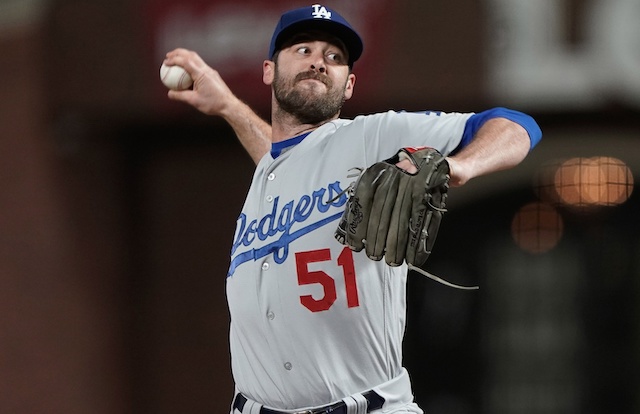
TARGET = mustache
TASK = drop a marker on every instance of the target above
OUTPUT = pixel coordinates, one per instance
(313, 75)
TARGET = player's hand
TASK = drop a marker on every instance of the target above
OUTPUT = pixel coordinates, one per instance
(407, 166)
(210, 94)
(456, 171)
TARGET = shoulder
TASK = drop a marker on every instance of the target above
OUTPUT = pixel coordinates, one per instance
(413, 116)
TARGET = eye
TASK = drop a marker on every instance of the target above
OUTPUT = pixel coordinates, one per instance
(336, 57)
(303, 50)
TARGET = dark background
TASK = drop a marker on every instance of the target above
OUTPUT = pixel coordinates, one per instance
(117, 209)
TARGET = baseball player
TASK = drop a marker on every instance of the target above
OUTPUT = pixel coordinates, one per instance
(316, 325)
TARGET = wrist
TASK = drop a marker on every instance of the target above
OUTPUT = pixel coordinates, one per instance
(457, 173)
(232, 108)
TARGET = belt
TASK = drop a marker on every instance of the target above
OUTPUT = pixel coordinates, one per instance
(374, 402)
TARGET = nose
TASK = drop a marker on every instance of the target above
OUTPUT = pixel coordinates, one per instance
(319, 68)
(318, 63)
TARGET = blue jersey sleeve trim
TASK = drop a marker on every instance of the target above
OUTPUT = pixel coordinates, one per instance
(475, 122)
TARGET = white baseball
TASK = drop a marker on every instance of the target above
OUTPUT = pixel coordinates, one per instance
(175, 77)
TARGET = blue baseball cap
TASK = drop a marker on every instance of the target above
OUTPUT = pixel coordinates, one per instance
(316, 17)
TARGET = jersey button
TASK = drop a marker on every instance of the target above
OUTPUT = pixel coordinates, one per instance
(271, 315)
(271, 177)
(265, 266)
(288, 366)
(269, 198)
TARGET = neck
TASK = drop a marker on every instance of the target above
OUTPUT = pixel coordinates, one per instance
(280, 134)
(285, 126)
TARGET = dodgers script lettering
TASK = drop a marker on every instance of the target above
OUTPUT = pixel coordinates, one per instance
(284, 225)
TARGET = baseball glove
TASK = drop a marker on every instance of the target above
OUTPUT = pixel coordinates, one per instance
(395, 214)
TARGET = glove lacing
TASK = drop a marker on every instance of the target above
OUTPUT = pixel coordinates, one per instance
(440, 280)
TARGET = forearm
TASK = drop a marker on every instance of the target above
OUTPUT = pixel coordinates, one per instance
(253, 132)
(211, 96)
(498, 145)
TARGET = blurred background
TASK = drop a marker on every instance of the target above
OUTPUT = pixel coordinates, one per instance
(118, 206)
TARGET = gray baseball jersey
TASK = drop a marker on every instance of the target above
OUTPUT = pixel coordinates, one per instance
(312, 321)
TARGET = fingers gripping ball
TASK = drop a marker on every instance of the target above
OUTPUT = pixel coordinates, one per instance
(395, 214)
(175, 77)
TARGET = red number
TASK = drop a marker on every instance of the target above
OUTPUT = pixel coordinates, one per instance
(308, 277)
(346, 261)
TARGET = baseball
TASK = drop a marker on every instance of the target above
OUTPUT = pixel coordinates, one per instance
(175, 77)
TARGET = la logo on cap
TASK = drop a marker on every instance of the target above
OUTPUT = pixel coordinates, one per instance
(320, 12)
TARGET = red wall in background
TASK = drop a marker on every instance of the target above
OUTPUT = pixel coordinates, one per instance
(117, 206)
(233, 37)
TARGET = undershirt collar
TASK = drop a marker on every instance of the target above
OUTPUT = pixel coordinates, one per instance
(278, 148)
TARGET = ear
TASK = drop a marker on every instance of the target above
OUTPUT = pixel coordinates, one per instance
(348, 89)
(268, 72)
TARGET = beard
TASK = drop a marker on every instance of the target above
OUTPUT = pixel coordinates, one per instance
(305, 105)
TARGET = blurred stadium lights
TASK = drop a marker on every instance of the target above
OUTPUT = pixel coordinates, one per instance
(537, 227)
(597, 181)
(577, 183)
(583, 183)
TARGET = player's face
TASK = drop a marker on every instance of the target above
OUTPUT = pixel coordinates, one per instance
(311, 80)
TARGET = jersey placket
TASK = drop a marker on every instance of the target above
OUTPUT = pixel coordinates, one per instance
(272, 313)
